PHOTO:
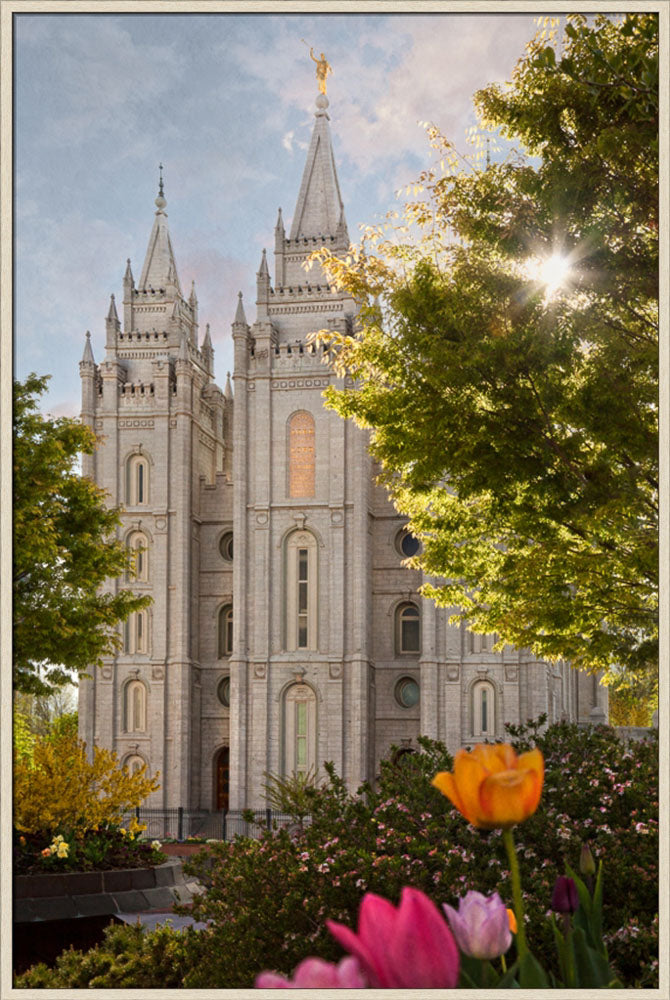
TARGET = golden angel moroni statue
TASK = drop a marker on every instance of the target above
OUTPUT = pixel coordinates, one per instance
(323, 68)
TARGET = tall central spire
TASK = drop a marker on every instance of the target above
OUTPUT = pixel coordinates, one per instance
(319, 210)
(159, 268)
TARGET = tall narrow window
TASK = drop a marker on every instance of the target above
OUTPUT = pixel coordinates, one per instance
(301, 462)
(408, 629)
(135, 707)
(483, 709)
(301, 591)
(226, 631)
(139, 551)
(136, 633)
(137, 481)
(299, 730)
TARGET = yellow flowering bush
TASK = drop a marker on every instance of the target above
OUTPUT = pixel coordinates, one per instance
(61, 788)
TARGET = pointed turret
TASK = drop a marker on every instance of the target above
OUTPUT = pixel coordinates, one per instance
(280, 242)
(240, 318)
(193, 298)
(159, 268)
(112, 325)
(208, 351)
(228, 391)
(263, 286)
(319, 210)
(112, 315)
(87, 358)
(128, 280)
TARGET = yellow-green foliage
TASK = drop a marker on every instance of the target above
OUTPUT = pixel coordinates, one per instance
(59, 788)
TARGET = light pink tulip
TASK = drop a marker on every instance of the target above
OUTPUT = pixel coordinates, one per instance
(408, 947)
(480, 925)
(315, 974)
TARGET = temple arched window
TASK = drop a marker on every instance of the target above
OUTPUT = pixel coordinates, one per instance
(137, 481)
(134, 707)
(301, 591)
(407, 629)
(301, 460)
(138, 547)
(225, 631)
(483, 709)
(299, 730)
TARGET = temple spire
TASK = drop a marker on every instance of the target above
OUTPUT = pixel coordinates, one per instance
(319, 210)
(159, 268)
(228, 391)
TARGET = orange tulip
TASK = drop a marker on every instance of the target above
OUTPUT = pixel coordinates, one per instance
(492, 787)
(512, 920)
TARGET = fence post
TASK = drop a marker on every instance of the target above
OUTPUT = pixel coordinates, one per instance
(223, 825)
(180, 823)
(268, 818)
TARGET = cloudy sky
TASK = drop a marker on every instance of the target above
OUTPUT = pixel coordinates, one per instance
(225, 102)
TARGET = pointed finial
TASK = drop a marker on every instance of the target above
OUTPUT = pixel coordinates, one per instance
(280, 221)
(160, 202)
(112, 314)
(207, 342)
(228, 391)
(239, 315)
(264, 264)
(193, 297)
(88, 352)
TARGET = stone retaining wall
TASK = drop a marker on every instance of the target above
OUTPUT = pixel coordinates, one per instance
(68, 895)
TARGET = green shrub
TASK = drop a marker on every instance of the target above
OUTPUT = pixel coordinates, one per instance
(268, 899)
(128, 957)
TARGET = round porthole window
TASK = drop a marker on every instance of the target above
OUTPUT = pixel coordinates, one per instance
(407, 692)
(407, 544)
(223, 692)
(226, 546)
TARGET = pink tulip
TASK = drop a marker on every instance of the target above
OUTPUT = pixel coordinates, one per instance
(481, 925)
(408, 947)
(315, 974)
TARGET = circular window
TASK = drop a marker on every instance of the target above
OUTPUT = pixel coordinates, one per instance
(407, 544)
(226, 546)
(223, 692)
(407, 692)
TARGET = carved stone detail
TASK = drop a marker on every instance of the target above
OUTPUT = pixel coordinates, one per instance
(335, 671)
(157, 672)
(511, 672)
(453, 671)
(260, 670)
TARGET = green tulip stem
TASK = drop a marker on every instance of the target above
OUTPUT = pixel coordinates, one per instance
(508, 841)
(569, 963)
(503, 963)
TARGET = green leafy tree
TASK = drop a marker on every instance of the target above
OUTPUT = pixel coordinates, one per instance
(64, 551)
(507, 361)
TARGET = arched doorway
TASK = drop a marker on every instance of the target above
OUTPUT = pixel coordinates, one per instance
(222, 778)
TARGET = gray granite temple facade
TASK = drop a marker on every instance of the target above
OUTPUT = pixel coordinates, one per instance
(284, 629)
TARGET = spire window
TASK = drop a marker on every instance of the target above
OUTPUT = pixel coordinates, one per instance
(408, 629)
(134, 707)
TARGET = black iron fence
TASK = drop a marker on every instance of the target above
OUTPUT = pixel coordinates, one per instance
(180, 823)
